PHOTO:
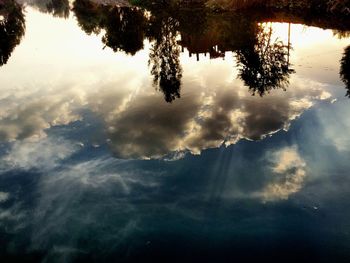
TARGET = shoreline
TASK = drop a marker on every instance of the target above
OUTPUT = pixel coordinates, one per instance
(328, 7)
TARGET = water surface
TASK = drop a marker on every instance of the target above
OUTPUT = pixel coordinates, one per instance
(129, 135)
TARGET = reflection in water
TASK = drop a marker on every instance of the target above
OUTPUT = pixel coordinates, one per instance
(345, 70)
(124, 27)
(12, 28)
(291, 171)
(57, 8)
(263, 61)
(164, 57)
(219, 111)
(341, 34)
(72, 185)
(88, 15)
(264, 65)
(210, 118)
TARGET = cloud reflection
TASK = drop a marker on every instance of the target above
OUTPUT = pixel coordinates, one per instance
(140, 125)
(214, 109)
(289, 172)
(4, 197)
(44, 154)
(27, 115)
(98, 204)
(207, 120)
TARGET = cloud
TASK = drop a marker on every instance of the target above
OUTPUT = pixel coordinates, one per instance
(44, 154)
(4, 197)
(335, 125)
(94, 196)
(147, 128)
(13, 219)
(288, 175)
(27, 116)
(27, 113)
(140, 125)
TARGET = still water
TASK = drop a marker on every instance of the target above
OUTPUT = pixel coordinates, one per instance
(129, 135)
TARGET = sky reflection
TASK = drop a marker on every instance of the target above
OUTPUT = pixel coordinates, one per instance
(216, 108)
(128, 200)
(100, 159)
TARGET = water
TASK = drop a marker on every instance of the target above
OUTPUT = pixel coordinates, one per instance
(183, 136)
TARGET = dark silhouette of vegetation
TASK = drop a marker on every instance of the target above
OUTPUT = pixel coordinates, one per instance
(339, 7)
(263, 62)
(57, 8)
(345, 70)
(89, 16)
(124, 29)
(124, 26)
(12, 29)
(264, 65)
(164, 57)
(341, 34)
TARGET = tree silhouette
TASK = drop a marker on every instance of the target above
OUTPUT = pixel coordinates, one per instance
(345, 70)
(12, 29)
(164, 57)
(264, 65)
(89, 16)
(58, 8)
(124, 26)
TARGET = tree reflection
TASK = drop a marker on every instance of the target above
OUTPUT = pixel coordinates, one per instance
(58, 8)
(124, 27)
(164, 57)
(12, 28)
(264, 64)
(345, 70)
(88, 15)
(263, 61)
(341, 34)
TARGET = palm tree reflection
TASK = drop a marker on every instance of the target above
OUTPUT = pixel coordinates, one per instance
(264, 65)
(12, 28)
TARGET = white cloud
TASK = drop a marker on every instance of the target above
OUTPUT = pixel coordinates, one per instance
(288, 172)
(4, 197)
(146, 127)
(44, 153)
